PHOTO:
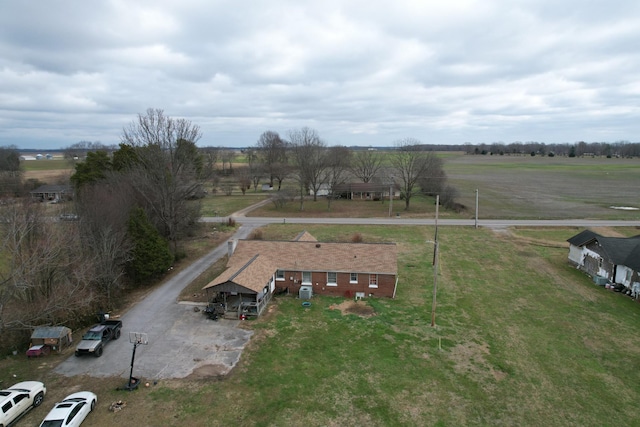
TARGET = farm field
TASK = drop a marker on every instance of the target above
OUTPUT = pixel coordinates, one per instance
(521, 338)
(547, 187)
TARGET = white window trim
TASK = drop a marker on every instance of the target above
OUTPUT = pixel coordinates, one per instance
(310, 277)
(353, 281)
(332, 283)
(281, 279)
(377, 279)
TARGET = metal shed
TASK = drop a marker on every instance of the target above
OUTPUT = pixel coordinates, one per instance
(56, 337)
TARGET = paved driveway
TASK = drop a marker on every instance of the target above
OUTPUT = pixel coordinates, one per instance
(181, 342)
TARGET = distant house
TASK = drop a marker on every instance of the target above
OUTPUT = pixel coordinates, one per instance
(52, 193)
(616, 259)
(256, 269)
(366, 190)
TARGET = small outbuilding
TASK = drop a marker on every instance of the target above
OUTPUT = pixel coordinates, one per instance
(56, 337)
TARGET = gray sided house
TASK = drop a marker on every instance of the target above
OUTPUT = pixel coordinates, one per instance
(52, 193)
(616, 259)
(256, 269)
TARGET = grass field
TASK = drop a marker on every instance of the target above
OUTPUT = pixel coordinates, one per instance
(521, 338)
(547, 187)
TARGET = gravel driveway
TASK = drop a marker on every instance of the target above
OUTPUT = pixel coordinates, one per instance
(182, 342)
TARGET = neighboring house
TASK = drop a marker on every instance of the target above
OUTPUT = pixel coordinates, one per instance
(366, 190)
(256, 269)
(616, 259)
(323, 190)
(52, 192)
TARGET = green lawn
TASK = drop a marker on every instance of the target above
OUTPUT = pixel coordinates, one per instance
(521, 338)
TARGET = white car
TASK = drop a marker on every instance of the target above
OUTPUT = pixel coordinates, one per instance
(18, 399)
(72, 411)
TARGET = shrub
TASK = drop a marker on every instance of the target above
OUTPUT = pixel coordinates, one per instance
(356, 238)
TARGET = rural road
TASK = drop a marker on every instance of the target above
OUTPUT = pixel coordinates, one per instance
(183, 342)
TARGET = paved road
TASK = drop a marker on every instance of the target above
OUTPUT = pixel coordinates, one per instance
(489, 223)
(181, 341)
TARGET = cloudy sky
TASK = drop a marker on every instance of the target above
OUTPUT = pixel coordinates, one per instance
(359, 72)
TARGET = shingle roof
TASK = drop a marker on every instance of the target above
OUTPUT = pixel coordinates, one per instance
(372, 258)
(583, 238)
(304, 236)
(619, 250)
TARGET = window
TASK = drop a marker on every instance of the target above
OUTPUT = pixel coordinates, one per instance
(6, 407)
(332, 278)
(279, 274)
(353, 278)
(373, 280)
(306, 277)
(75, 411)
(20, 397)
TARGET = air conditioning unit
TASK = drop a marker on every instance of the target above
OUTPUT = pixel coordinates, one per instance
(305, 292)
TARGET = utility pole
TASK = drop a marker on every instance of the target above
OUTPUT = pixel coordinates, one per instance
(435, 267)
(390, 198)
(435, 284)
(476, 222)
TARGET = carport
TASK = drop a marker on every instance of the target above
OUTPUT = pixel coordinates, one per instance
(243, 289)
(237, 300)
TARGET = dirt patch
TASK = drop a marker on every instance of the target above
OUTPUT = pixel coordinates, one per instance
(208, 371)
(359, 308)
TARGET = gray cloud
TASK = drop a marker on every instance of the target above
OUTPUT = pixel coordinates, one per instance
(359, 72)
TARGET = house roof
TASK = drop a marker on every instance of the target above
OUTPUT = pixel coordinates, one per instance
(362, 187)
(254, 261)
(583, 238)
(49, 188)
(619, 250)
(304, 236)
(50, 332)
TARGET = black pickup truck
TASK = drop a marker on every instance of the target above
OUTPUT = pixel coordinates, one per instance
(94, 340)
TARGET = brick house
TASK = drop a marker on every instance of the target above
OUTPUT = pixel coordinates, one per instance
(256, 269)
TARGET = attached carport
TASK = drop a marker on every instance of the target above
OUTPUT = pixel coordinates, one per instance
(243, 289)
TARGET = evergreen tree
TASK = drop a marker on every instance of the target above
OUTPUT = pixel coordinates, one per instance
(151, 256)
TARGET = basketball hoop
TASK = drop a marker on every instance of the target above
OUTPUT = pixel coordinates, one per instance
(135, 338)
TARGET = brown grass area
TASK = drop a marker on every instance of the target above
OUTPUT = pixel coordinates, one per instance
(359, 308)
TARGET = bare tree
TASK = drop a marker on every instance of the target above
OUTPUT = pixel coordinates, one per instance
(227, 156)
(243, 177)
(309, 156)
(366, 164)
(273, 152)
(45, 278)
(170, 169)
(337, 171)
(256, 168)
(104, 210)
(433, 182)
(410, 163)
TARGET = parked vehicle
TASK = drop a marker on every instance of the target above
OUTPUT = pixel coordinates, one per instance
(19, 399)
(98, 336)
(69, 217)
(72, 411)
